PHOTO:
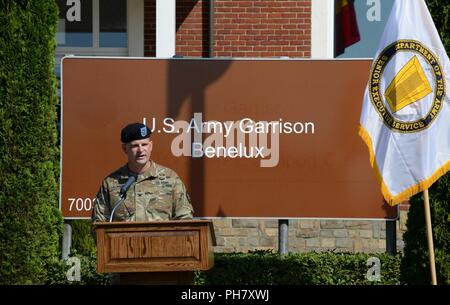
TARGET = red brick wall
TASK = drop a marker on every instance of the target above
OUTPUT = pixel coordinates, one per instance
(260, 28)
(191, 24)
(263, 28)
(192, 28)
(149, 28)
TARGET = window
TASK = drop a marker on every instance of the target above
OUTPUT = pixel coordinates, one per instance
(113, 23)
(92, 27)
(371, 16)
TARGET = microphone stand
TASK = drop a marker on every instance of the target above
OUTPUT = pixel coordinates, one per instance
(115, 207)
(123, 194)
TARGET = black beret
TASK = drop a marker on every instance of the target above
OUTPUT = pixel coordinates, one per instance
(135, 131)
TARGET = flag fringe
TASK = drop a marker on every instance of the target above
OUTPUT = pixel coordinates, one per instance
(408, 193)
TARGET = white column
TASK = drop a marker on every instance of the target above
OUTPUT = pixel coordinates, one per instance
(67, 239)
(322, 32)
(135, 20)
(165, 28)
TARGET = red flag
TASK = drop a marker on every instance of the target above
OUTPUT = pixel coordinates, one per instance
(346, 26)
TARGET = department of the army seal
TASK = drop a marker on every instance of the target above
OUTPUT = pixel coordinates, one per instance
(409, 85)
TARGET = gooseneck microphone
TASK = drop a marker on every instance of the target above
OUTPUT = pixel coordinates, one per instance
(126, 185)
(122, 194)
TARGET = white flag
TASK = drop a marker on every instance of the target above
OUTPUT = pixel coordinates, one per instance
(405, 118)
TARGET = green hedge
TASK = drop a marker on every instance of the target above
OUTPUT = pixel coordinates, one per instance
(440, 11)
(415, 265)
(328, 268)
(264, 268)
(58, 270)
(30, 221)
(82, 241)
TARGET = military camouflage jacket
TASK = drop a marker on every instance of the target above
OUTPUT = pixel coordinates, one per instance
(158, 194)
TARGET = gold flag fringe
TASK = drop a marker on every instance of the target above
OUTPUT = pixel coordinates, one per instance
(409, 192)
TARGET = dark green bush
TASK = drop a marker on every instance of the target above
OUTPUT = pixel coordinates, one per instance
(440, 10)
(415, 264)
(266, 268)
(57, 271)
(30, 221)
(82, 240)
(262, 268)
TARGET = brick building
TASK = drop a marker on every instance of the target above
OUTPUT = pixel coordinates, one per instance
(234, 29)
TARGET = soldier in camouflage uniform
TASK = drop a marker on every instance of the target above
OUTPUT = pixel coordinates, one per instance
(157, 193)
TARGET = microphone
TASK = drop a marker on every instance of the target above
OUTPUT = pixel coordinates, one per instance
(122, 193)
(126, 185)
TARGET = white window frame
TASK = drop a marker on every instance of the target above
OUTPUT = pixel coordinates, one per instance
(135, 31)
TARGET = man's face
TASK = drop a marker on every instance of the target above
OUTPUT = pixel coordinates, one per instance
(138, 152)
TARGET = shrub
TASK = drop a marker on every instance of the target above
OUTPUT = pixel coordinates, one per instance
(58, 270)
(261, 268)
(415, 264)
(30, 222)
(440, 11)
(82, 240)
(266, 268)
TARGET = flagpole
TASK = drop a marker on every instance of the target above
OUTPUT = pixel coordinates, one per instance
(429, 236)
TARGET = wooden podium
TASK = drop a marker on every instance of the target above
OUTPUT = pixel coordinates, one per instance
(157, 252)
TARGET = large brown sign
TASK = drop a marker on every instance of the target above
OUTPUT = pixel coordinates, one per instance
(250, 138)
